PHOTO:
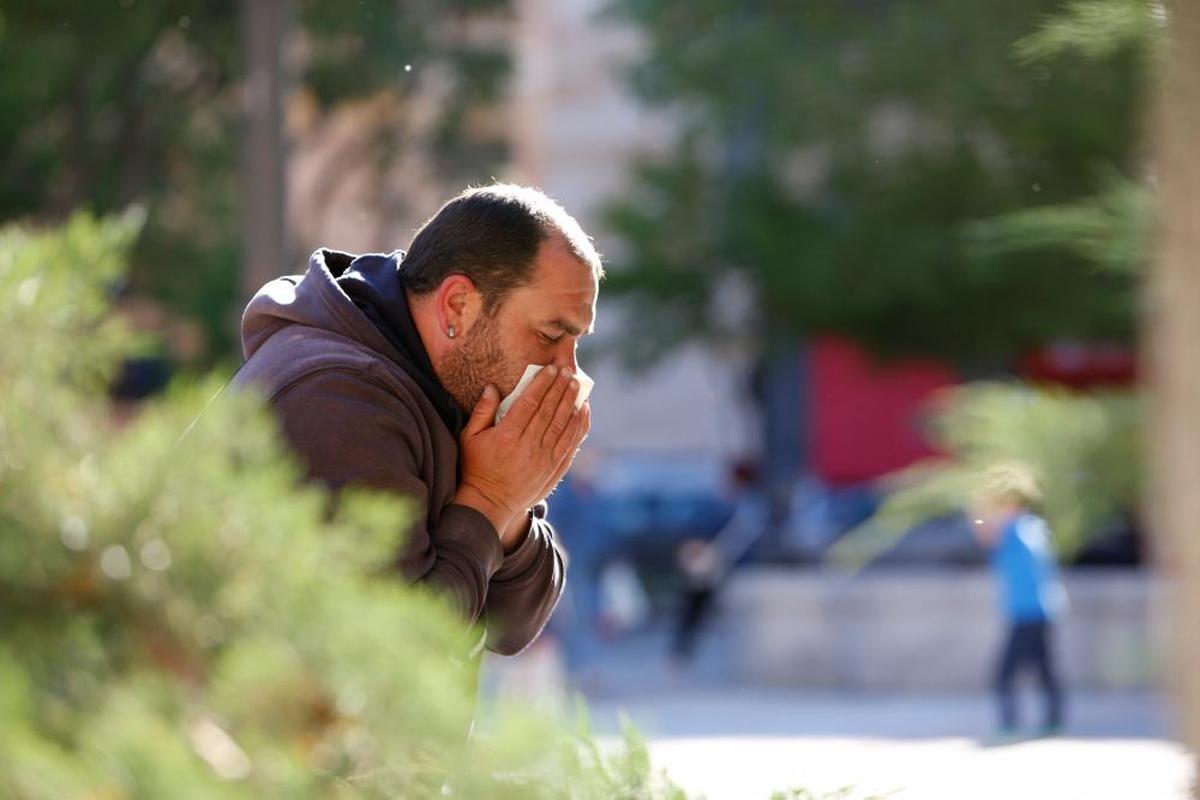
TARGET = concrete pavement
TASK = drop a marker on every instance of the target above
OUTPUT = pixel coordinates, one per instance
(726, 741)
(730, 744)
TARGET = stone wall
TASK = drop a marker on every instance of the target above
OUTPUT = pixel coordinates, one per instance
(927, 631)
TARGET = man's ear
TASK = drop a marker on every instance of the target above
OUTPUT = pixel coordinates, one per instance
(459, 304)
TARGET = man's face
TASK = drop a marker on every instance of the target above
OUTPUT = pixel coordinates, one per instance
(540, 323)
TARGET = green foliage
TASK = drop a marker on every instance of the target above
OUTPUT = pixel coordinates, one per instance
(112, 102)
(1084, 450)
(1096, 29)
(182, 619)
(1109, 230)
(832, 156)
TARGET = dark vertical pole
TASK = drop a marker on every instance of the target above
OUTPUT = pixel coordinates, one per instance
(784, 448)
(779, 386)
(779, 390)
(264, 27)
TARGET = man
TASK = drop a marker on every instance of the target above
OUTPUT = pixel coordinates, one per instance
(373, 361)
(1032, 594)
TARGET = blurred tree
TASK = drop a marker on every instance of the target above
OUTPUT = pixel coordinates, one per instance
(1109, 229)
(833, 157)
(264, 28)
(107, 103)
(1084, 448)
(182, 620)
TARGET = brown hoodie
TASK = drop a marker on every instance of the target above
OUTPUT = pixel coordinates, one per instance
(355, 414)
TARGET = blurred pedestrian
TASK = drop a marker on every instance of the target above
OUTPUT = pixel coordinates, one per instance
(1032, 595)
(575, 511)
(706, 565)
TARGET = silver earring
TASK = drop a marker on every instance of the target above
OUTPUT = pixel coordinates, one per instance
(451, 332)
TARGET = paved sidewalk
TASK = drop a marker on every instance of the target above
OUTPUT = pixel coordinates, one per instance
(738, 744)
(724, 741)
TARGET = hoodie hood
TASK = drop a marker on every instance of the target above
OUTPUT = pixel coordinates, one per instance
(361, 298)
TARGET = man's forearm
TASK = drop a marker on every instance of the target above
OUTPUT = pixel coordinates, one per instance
(523, 592)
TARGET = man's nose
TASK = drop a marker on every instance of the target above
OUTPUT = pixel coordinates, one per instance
(567, 357)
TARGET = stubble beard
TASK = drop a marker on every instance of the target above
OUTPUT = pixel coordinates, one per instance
(477, 361)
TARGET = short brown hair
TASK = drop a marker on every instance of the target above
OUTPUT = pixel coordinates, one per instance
(491, 234)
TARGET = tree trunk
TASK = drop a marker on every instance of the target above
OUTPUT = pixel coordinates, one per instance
(1173, 355)
(264, 26)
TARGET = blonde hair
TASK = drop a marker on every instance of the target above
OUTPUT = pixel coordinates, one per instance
(1010, 483)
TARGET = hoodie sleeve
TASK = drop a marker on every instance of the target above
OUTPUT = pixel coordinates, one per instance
(525, 589)
(349, 431)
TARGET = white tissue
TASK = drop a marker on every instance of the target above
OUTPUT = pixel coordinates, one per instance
(585, 389)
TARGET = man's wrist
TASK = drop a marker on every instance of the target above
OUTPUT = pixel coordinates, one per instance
(500, 517)
(514, 535)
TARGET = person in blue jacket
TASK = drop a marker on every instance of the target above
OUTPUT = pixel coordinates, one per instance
(1031, 592)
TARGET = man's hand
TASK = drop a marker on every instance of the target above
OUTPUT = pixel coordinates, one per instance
(585, 426)
(510, 466)
(519, 527)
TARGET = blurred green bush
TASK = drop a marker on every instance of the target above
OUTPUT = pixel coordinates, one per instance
(181, 619)
(1083, 448)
